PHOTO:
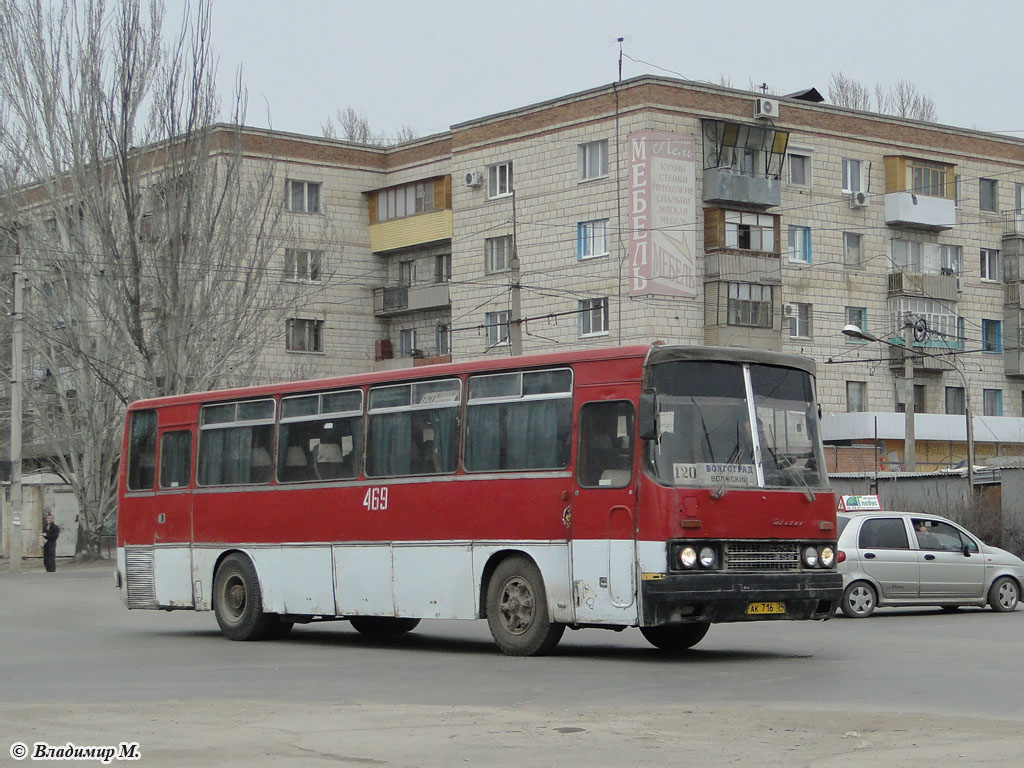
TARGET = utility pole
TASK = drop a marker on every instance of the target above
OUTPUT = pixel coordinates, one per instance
(909, 445)
(14, 536)
(515, 315)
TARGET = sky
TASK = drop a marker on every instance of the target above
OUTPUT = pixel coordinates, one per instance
(434, 64)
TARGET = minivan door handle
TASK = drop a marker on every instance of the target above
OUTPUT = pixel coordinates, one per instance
(929, 557)
(869, 555)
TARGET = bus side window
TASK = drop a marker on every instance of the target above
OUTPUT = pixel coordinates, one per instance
(606, 444)
(175, 458)
(142, 451)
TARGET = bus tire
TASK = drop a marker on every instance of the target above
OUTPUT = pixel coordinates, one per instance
(675, 637)
(238, 601)
(517, 609)
(382, 626)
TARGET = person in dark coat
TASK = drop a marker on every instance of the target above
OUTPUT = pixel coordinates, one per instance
(49, 535)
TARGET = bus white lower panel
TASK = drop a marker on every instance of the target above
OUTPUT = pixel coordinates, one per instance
(433, 582)
(296, 579)
(362, 580)
(652, 556)
(172, 576)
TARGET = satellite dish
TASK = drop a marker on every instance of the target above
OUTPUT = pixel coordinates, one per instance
(920, 330)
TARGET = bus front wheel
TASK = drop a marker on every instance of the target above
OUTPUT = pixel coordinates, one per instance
(675, 637)
(238, 601)
(517, 609)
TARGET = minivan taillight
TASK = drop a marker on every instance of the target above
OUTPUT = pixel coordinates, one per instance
(840, 557)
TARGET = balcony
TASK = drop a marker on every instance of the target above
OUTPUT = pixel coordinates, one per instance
(912, 211)
(398, 299)
(749, 266)
(922, 363)
(942, 286)
(726, 186)
(421, 229)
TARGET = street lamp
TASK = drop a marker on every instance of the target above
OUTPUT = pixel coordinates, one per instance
(856, 332)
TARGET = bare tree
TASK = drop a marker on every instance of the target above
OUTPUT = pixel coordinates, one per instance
(354, 126)
(148, 240)
(902, 99)
(846, 92)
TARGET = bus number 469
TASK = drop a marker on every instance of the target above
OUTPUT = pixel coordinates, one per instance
(376, 498)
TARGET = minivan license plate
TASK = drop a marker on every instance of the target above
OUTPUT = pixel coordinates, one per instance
(763, 608)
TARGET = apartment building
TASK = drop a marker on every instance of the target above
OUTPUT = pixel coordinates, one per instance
(660, 209)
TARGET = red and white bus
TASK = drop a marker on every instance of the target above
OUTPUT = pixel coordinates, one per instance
(605, 488)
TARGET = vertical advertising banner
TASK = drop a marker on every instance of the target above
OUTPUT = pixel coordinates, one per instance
(662, 214)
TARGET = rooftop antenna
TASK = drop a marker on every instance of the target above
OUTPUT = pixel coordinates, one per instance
(620, 58)
(763, 87)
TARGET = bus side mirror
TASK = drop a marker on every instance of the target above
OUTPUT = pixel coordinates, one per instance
(648, 416)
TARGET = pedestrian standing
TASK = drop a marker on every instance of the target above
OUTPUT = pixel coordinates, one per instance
(48, 541)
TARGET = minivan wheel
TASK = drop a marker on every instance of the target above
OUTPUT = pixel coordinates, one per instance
(859, 600)
(1004, 594)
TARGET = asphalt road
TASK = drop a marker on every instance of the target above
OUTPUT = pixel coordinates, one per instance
(900, 688)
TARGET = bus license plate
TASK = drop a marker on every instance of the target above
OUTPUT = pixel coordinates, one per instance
(758, 609)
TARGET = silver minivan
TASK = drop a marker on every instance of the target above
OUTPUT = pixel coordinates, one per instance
(903, 559)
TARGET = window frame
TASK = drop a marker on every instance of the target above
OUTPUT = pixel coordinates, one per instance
(992, 402)
(588, 310)
(750, 311)
(493, 323)
(995, 329)
(847, 250)
(318, 335)
(990, 262)
(862, 387)
(849, 164)
(993, 186)
(306, 186)
(800, 320)
(799, 248)
(584, 157)
(807, 157)
(499, 180)
(313, 261)
(491, 248)
(589, 235)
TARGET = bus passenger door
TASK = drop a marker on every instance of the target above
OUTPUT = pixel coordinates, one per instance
(172, 523)
(603, 527)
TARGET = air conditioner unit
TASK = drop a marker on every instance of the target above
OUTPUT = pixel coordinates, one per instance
(766, 108)
(859, 200)
(474, 179)
(790, 309)
(959, 284)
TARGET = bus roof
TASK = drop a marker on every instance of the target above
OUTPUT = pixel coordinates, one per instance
(652, 354)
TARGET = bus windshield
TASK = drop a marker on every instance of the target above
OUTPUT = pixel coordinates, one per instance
(705, 437)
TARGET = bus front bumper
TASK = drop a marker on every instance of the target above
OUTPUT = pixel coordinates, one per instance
(727, 597)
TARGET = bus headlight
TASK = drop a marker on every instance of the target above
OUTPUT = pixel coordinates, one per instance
(810, 557)
(827, 557)
(687, 557)
(707, 557)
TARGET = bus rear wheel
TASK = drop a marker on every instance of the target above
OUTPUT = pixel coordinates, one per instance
(675, 637)
(517, 609)
(238, 601)
(382, 626)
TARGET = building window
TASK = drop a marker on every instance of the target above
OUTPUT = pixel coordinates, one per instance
(443, 339)
(499, 180)
(593, 314)
(920, 398)
(856, 396)
(592, 239)
(949, 259)
(498, 251)
(853, 250)
(304, 335)
(301, 265)
(990, 264)
(799, 244)
(750, 231)
(496, 326)
(955, 402)
(1018, 197)
(407, 342)
(906, 255)
(851, 175)
(958, 191)
(857, 316)
(750, 304)
(928, 179)
(443, 268)
(799, 169)
(406, 272)
(993, 402)
(593, 159)
(304, 196)
(406, 200)
(988, 195)
(992, 335)
(799, 318)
